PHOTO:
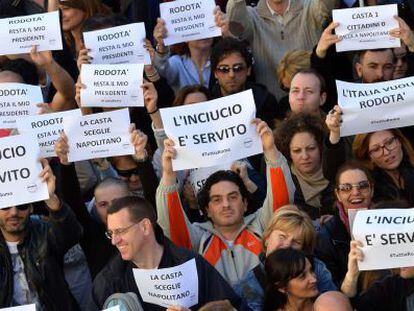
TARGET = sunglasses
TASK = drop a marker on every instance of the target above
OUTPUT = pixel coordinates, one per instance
(226, 69)
(21, 208)
(128, 173)
(347, 188)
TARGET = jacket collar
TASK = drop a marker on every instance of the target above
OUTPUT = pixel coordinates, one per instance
(295, 8)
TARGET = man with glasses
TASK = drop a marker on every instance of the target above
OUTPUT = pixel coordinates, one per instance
(232, 64)
(32, 250)
(133, 229)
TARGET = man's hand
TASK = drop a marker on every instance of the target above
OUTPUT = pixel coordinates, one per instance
(41, 59)
(47, 176)
(266, 135)
(404, 33)
(62, 149)
(168, 174)
(326, 40)
(139, 141)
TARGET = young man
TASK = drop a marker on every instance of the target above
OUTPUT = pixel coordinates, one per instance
(133, 229)
(228, 241)
(231, 63)
(31, 253)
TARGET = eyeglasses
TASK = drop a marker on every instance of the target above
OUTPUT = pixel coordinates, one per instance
(128, 173)
(347, 188)
(226, 69)
(20, 208)
(119, 232)
(390, 144)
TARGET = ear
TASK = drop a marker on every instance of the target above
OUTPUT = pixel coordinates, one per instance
(323, 98)
(358, 69)
(337, 195)
(215, 75)
(146, 226)
(245, 204)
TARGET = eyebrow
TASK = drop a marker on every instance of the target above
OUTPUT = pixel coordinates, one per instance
(219, 195)
(222, 65)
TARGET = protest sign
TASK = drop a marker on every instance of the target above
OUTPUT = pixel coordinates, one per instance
(46, 128)
(169, 286)
(214, 132)
(118, 45)
(370, 107)
(199, 176)
(31, 307)
(19, 34)
(98, 135)
(112, 85)
(19, 171)
(18, 100)
(387, 236)
(188, 20)
(366, 28)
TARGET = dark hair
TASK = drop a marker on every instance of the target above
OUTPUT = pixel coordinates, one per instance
(353, 165)
(228, 46)
(138, 209)
(360, 55)
(203, 195)
(281, 266)
(312, 71)
(298, 123)
(23, 68)
(392, 204)
(189, 89)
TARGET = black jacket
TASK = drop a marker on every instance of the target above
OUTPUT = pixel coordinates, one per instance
(267, 107)
(42, 252)
(389, 294)
(332, 248)
(117, 277)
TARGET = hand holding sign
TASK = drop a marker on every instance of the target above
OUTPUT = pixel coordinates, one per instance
(266, 135)
(168, 174)
(41, 59)
(83, 57)
(327, 39)
(404, 33)
(349, 285)
(139, 141)
(47, 176)
(62, 149)
(333, 122)
(160, 32)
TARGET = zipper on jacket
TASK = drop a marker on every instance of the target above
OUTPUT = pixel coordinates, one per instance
(282, 35)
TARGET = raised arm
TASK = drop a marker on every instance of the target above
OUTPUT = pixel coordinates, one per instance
(240, 19)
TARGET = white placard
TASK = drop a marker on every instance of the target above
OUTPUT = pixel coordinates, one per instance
(112, 85)
(31, 307)
(370, 107)
(46, 128)
(214, 132)
(19, 34)
(116, 308)
(169, 286)
(387, 236)
(118, 45)
(199, 176)
(19, 171)
(188, 20)
(98, 135)
(366, 28)
(18, 100)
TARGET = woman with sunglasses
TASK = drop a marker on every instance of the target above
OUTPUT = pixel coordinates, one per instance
(354, 189)
(387, 154)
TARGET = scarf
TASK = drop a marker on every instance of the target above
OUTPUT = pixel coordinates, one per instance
(311, 185)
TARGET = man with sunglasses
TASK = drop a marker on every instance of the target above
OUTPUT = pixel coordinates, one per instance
(133, 229)
(231, 63)
(32, 250)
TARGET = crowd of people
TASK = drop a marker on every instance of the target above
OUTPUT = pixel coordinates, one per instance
(271, 233)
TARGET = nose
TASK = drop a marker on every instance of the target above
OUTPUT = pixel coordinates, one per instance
(13, 211)
(386, 151)
(287, 243)
(355, 191)
(305, 154)
(312, 278)
(115, 239)
(231, 73)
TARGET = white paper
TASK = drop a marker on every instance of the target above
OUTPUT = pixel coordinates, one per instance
(188, 20)
(98, 135)
(370, 107)
(19, 171)
(112, 85)
(18, 100)
(19, 34)
(199, 176)
(118, 45)
(366, 28)
(201, 141)
(387, 236)
(46, 128)
(31, 307)
(169, 286)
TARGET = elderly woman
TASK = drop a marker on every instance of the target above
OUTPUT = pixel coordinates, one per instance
(289, 227)
(300, 139)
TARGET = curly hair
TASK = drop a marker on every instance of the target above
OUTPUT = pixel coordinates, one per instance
(298, 123)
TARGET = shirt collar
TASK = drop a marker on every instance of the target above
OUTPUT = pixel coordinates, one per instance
(273, 12)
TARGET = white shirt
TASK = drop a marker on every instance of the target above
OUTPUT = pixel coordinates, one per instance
(278, 16)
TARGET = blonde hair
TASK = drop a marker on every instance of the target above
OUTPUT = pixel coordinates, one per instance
(360, 148)
(291, 63)
(289, 218)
